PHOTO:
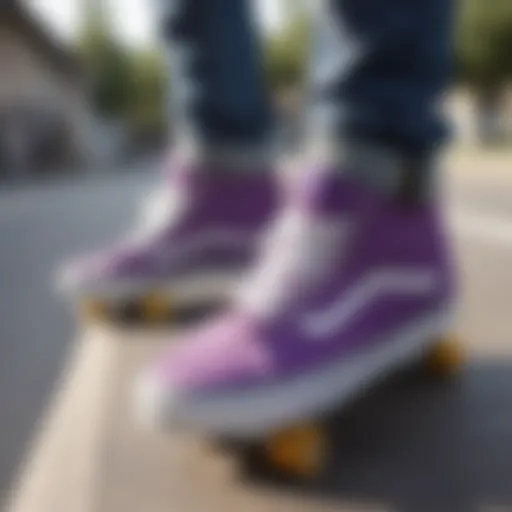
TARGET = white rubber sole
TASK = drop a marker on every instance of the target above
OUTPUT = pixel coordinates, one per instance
(248, 414)
(208, 285)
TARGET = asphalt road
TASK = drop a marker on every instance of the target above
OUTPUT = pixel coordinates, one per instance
(42, 224)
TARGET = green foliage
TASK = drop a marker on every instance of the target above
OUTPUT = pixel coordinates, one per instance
(107, 64)
(125, 84)
(147, 109)
(483, 43)
(287, 53)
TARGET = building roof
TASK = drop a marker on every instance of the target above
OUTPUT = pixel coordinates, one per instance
(17, 17)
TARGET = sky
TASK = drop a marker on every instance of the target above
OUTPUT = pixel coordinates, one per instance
(133, 19)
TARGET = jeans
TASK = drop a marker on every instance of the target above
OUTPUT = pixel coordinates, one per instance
(218, 90)
(377, 71)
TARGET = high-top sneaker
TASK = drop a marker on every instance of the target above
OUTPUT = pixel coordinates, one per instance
(352, 284)
(204, 225)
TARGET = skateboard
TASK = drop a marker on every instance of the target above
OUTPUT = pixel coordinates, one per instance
(302, 452)
(159, 306)
(147, 310)
(152, 308)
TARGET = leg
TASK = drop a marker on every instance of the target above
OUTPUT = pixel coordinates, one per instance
(356, 280)
(207, 218)
(219, 98)
(379, 69)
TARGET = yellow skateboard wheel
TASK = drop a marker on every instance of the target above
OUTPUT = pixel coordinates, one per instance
(94, 310)
(299, 452)
(154, 308)
(445, 357)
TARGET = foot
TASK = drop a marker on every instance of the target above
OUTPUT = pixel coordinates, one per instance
(205, 221)
(353, 285)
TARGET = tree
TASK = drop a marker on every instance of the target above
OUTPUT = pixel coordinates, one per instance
(484, 42)
(483, 49)
(107, 62)
(147, 110)
(287, 51)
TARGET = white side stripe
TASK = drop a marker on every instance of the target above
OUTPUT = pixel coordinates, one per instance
(212, 239)
(386, 281)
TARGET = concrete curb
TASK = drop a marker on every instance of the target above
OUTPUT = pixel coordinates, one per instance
(61, 470)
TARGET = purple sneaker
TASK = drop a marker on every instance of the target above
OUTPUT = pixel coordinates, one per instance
(202, 228)
(352, 286)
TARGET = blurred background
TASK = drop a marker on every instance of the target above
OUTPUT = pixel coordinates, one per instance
(83, 81)
(83, 103)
